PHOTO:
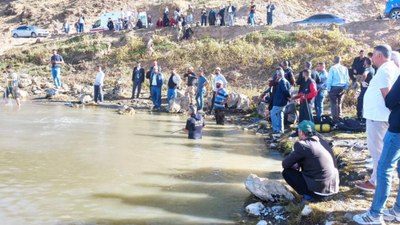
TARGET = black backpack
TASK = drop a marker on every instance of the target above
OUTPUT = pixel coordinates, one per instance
(352, 125)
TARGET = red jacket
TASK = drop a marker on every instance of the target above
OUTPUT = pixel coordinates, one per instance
(312, 92)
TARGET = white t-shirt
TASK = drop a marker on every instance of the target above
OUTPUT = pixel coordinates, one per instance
(99, 78)
(374, 104)
(216, 78)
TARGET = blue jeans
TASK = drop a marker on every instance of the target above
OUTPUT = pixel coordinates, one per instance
(81, 27)
(319, 104)
(269, 18)
(156, 96)
(203, 20)
(137, 85)
(277, 119)
(98, 93)
(171, 94)
(390, 158)
(56, 72)
(252, 19)
(200, 99)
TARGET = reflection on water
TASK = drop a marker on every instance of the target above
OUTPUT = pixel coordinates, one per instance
(60, 165)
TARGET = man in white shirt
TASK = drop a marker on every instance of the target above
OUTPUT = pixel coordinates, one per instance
(98, 85)
(231, 13)
(214, 79)
(374, 109)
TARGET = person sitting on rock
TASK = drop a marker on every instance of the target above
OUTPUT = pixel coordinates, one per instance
(160, 23)
(311, 168)
(139, 24)
(221, 96)
(110, 24)
(195, 124)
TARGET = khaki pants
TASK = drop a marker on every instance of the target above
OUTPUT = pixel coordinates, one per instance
(376, 131)
(189, 92)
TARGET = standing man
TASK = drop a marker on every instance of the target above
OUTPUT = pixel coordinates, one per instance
(202, 83)
(289, 76)
(358, 68)
(221, 13)
(110, 25)
(374, 109)
(204, 17)
(231, 14)
(307, 93)
(252, 16)
(280, 99)
(173, 83)
(195, 124)
(189, 17)
(270, 12)
(388, 161)
(56, 62)
(337, 83)
(151, 71)
(311, 168)
(12, 85)
(81, 23)
(98, 85)
(156, 82)
(321, 88)
(191, 78)
(365, 79)
(221, 96)
(137, 79)
(217, 77)
(66, 27)
(314, 75)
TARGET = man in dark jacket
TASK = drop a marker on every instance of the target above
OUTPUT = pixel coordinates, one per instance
(137, 79)
(212, 17)
(388, 161)
(289, 76)
(307, 92)
(270, 12)
(280, 99)
(110, 24)
(311, 168)
(231, 14)
(369, 72)
(221, 13)
(156, 83)
(314, 75)
(357, 68)
(195, 124)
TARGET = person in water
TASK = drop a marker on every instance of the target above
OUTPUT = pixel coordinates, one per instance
(194, 124)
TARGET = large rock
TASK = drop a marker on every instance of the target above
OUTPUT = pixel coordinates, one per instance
(262, 222)
(262, 109)
(179, 105)
(238, 101)
(268, 190)
(119, 92)
(126, 110)
(23, 94)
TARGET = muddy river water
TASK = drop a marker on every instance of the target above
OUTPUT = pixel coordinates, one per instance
(60, 165)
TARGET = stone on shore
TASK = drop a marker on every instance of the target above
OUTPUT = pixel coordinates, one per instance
(126, 110)
(255, 209)
(267, 190)
(51, 92)
(306, 211)
(23, 94)
(262, 222)
(238, 101)
(179, 104)
(84, 99)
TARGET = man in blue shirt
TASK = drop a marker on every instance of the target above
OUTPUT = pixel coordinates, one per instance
(56, 62)
(221, 96)
(321, 87)
(202, 83)
(280, 99)
(156, 82)
(337, 83)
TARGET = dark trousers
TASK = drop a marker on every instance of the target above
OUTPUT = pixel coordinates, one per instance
(220, 116)
(222, 20)
(305, 112)
(203, 20)
(296, 180)
(98, 93)
(360, 102)
(212, 102)
(335, 96)
(136, 85)
(269, 18)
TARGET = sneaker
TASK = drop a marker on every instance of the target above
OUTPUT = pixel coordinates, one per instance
(366, 186)
(390, 215)
(367, 219)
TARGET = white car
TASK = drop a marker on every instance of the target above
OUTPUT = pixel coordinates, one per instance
(29, 31)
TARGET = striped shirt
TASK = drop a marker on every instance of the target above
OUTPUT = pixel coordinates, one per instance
(220, 96)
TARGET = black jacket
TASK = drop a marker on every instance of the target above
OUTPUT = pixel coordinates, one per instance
(141, 74)
(318, 165)
(392, 102)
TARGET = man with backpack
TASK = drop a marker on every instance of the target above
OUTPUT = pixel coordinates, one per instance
(375, 111)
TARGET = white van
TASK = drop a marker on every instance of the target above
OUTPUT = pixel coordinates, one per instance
(101, 24)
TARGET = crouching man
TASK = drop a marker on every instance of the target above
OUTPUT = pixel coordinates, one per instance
(195, 124)
(311, 168)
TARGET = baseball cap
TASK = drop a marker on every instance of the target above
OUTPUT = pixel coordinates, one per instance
(306, 126)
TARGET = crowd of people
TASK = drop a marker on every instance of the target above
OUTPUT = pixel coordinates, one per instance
(311, 168)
